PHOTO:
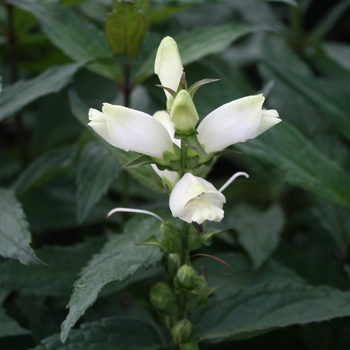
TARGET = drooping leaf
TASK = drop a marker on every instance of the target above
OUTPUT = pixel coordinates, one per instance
(249, 311)
(97, 169)
(257, 231)
(64, 264)
(199, 43)
(303, 165)
(14, 97)
(115, 333)
(9, 327)
(143, 174)
(14, 232)
(45, 168)
(125, 28)
(119, 259)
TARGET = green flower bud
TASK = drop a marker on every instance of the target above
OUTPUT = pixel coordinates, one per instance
(191, 345)
(199, 295)
(186, 277)
(172, 264)
(182, 331)
(183, 113)
(171, 238)
(194, 240)
(163, 298)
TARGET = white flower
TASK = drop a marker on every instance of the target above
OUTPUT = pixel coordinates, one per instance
(195, 199)
(234, 122)
(168, 65)
(164, 118)
(131, 130)
(169, 178)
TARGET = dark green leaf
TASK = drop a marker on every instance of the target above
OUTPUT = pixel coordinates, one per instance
(199, 43)
(14, 234)
(97, 169)
(15, 97)
(243, 313)
(9, 326)
(143, 174)
(119, 259)
(125, 28)
(258, 231)
(302, 164)
(56, 279)
(45, 168)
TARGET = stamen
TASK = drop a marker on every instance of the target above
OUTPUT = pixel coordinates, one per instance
(232, 178)
(138, 211)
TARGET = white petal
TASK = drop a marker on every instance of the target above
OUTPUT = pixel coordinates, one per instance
(169, 178)
(164, 118)
(269, 118)
(195, 199)
(168, 65)
(98, 123)
(231, 123)
(133, 130)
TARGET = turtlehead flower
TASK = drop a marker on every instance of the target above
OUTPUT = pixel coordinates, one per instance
(195, 199)
(168, 64)
(184, 114)
(131, 130)
(234, 122)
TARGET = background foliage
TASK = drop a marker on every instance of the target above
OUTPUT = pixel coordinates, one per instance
(288, 242)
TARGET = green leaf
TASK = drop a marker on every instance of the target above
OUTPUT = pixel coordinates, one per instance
(114, 333)
(125, 28)
(9, 326)
(14, 234)
(56, 279)
(97, 169)
(119, 259)
(199, 43)
(246, 312)
(288, 2)
(78, 38)
(258, 231)
(13, 98)
(143, 174)
(303, 165)
(44, 168)
(318, 94)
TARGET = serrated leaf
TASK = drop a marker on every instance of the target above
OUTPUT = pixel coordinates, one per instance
(199, 43)
(14, 234)
(303, 165)
(64, 264)
(14, 97)
(119, 259)
(75, 36)
(138, 333)
(246, 312)
(45, 168)
(9, 327)
(97, 169)
(144, 174)
(257, 231)
(125, 28)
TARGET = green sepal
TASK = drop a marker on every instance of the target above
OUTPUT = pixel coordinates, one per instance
(141, 160)
(207, 237)
(192, 162)
(192, 142)
(152, 240)
(193, 88)
(171, 91)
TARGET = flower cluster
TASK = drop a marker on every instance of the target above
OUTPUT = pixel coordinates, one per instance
(169, 136)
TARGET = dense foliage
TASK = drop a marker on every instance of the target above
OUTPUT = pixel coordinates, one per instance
(286, 243)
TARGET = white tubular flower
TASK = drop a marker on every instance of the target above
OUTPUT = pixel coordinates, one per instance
(168, 65)
(234, 122)
(131, 130)
(195, 199)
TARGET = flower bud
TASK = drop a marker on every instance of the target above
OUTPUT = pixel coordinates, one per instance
(163, 298)
(171, 238)
(172, 263)
(194, 240)
(186, 277)
(182, 331)
(183, 113)
(191, 345)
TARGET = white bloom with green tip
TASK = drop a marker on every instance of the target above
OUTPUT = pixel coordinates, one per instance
(168, 65)
(131, 130)
(195, 199)
(234, 122)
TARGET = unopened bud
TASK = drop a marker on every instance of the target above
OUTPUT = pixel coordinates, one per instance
(191, 345)
(182, 331)
(184, 114)
(186, 277)
(163, 298)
